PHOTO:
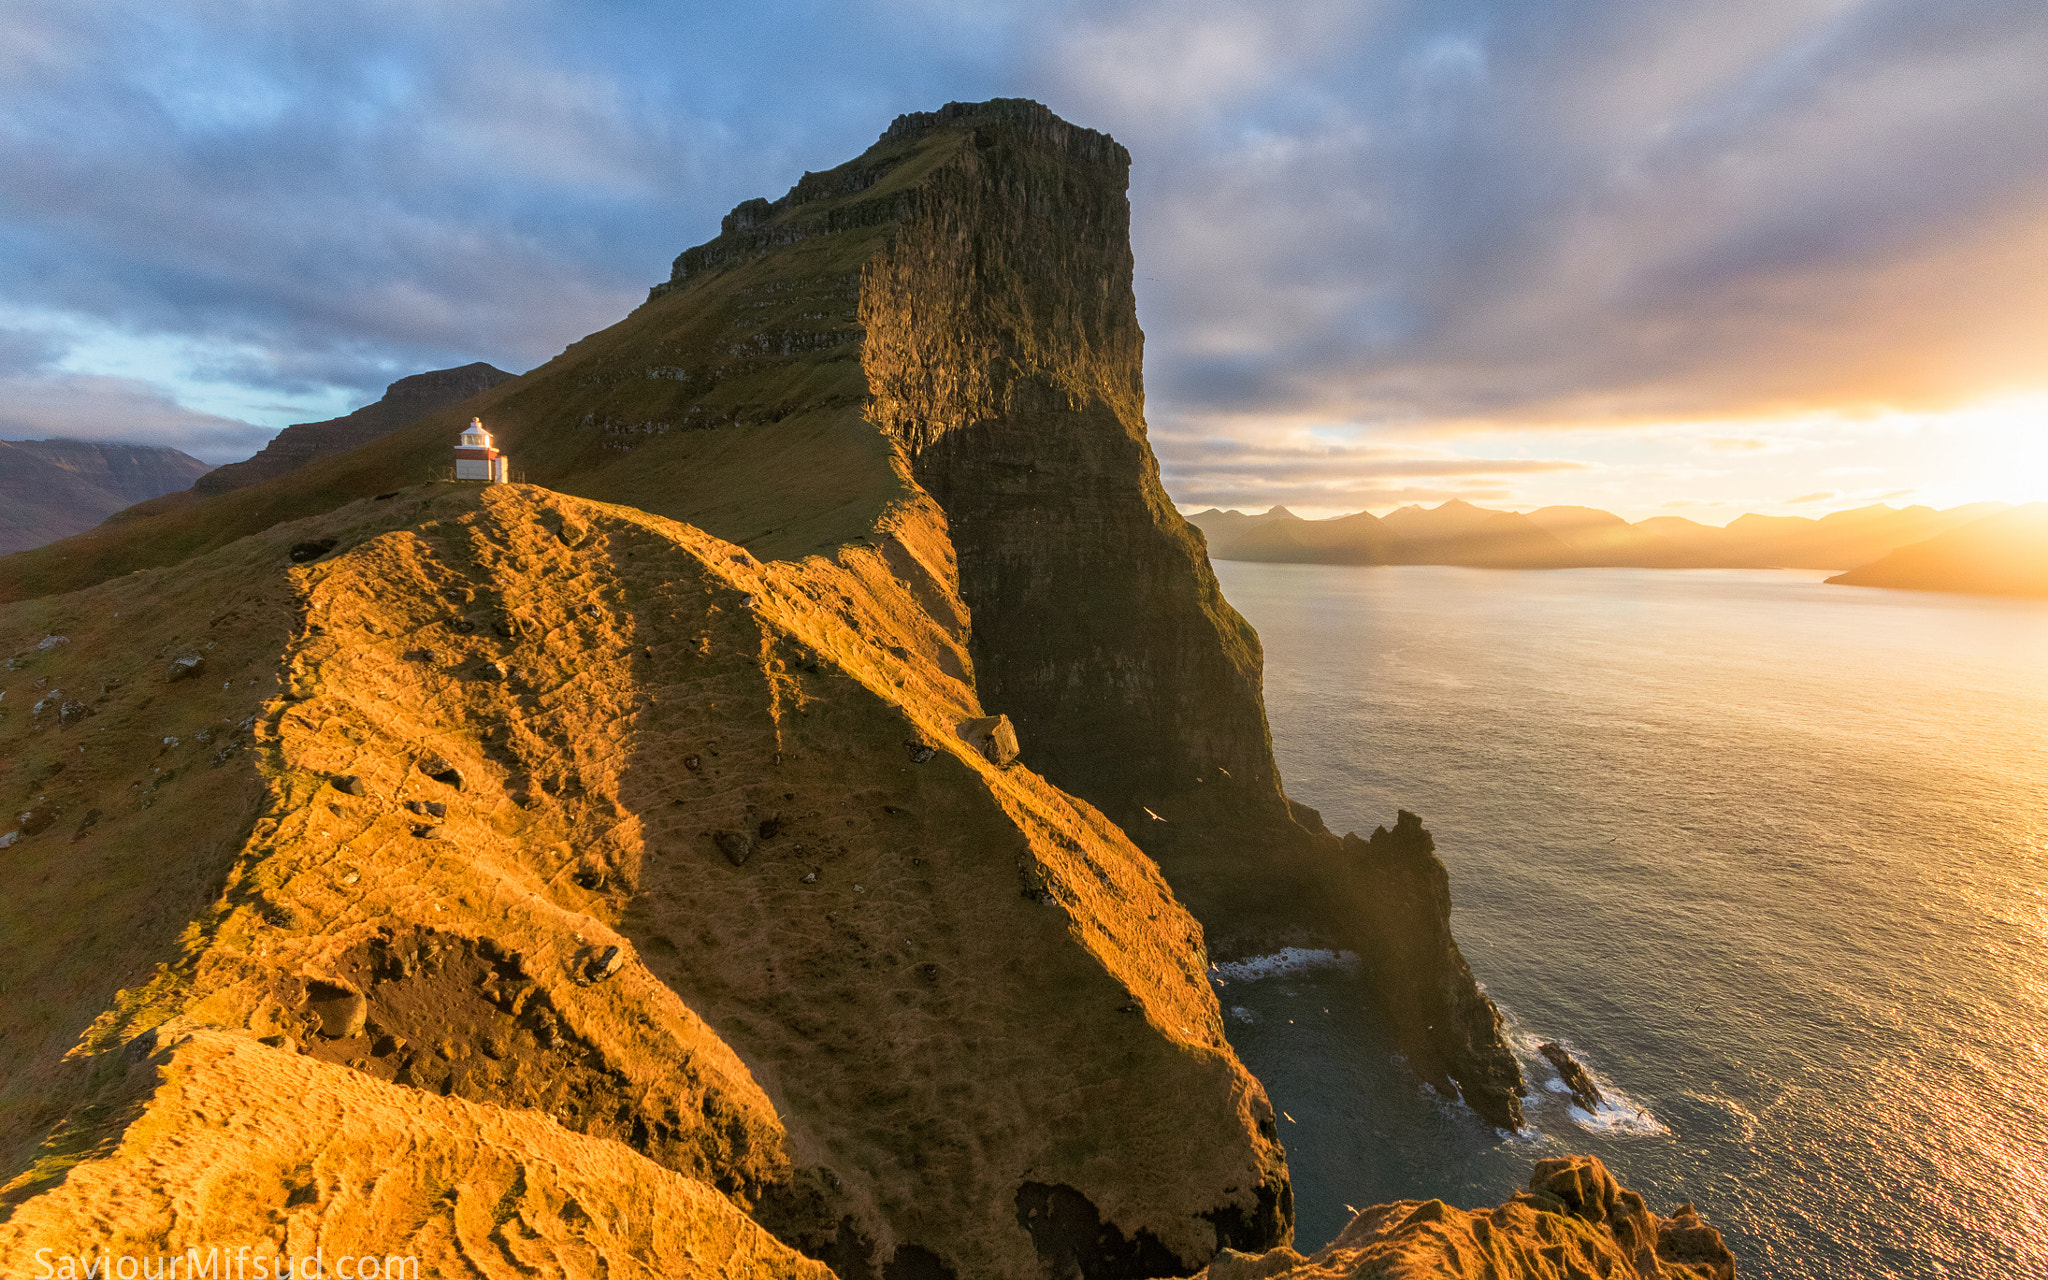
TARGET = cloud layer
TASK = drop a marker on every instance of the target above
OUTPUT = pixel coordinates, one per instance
(1398, 221)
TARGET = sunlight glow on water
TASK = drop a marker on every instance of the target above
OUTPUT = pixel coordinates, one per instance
(1770, 856)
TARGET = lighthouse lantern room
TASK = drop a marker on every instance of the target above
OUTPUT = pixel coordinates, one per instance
(476, 459)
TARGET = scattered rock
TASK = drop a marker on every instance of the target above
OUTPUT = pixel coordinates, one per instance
(810, 877)
(419, 655)
(37, 820)
(462, 626)
(1576, 1077)
(493, 671)
(71, 713)
(343, 1013)
(920, 752)
(349, 784)
(426, 831)
(442, 771)
(7, 841)
(770, 827)
(692, 763)
(993, 736)
(603, 965)
(737, 846)
(184, 668)
(572, 534)
(428, 808)
(303, 551)
(51, 642)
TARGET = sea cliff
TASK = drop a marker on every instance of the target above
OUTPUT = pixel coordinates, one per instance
(814, 801)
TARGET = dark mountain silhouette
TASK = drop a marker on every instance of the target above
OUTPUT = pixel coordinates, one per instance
(51, 489)
(2001, 555)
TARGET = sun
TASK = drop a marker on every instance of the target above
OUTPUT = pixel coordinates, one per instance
(1997, 449)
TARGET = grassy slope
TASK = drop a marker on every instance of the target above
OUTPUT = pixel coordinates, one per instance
(984, 982)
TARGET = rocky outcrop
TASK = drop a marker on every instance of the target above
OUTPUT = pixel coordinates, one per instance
(1574, 1221)
(405, 402)
(1449, 1029)
(1577, 1080)
(51, 489)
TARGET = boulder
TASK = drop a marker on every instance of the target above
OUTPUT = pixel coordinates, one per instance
(737, 846)
(342, 1013)
(187, 666)
(993, 736)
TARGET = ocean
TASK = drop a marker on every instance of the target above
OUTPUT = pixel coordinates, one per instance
(1769, 856)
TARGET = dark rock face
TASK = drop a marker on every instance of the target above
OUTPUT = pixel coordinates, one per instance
(1449, 1029)
(1072, 1239)
(51, 489)
(405, 401)
(1003, 353)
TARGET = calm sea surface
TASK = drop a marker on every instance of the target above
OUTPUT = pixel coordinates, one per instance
(1771, 856)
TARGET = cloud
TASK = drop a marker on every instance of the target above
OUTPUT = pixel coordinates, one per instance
(88, 407)
(26, 351)
(1305, 466)
(1406, 216)
(1822, 495)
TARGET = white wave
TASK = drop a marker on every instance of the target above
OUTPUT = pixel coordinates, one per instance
(1284, 961)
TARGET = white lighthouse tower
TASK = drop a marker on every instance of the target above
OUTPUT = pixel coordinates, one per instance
(476, 459)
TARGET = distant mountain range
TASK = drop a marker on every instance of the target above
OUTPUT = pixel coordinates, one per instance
(51, 489)
(1458, 533)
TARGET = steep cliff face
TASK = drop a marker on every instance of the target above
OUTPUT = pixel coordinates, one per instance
(1004, 358)
(405, 401)
(51, 489)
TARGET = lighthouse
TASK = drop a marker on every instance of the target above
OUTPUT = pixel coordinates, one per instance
(476, 459)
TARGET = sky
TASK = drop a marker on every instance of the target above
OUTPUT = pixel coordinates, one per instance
(1691, 257)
